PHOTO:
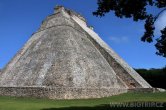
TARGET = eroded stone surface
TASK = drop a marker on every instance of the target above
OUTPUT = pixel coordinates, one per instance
(65, 55)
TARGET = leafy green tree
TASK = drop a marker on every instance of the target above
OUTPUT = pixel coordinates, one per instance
(137, 9)
(155, 77)
(164, 70)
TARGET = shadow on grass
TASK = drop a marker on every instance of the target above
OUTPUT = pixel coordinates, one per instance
(154, 106)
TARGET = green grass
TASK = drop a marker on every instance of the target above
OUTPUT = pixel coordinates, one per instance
(13, 103)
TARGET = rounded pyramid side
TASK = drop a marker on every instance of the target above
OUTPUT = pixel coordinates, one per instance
(60, 55)
(126, 73)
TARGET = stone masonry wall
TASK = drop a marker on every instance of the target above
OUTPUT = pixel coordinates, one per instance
(67, 93)
(122, 69)
(60, 93)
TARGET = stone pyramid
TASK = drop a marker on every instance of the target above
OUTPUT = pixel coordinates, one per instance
(66, 59)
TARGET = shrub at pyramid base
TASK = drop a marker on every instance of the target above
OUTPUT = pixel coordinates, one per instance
(66, 59)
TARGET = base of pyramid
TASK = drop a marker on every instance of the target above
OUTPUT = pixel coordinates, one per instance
(66, 93)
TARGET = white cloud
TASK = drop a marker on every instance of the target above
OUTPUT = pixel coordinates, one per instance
(122, 39)
(161, 22)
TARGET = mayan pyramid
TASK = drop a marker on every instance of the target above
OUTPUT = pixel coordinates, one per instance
(66, 59)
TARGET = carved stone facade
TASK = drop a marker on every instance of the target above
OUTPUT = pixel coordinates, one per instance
(65, 59)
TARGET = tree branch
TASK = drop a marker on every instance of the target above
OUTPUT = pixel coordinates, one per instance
(157, 16)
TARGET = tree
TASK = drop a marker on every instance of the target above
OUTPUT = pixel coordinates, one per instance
(155, 77)
(164, 69)
(137, 9)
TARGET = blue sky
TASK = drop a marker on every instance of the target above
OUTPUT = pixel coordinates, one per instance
(20, 18)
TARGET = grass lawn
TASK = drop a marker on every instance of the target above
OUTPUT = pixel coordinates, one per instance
(12, 103)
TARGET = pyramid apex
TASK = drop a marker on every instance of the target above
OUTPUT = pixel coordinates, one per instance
(58, 8)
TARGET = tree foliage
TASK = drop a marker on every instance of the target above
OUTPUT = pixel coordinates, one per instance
(155, 77)
(137, 10)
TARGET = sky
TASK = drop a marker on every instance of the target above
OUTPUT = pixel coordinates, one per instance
(19, 19)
